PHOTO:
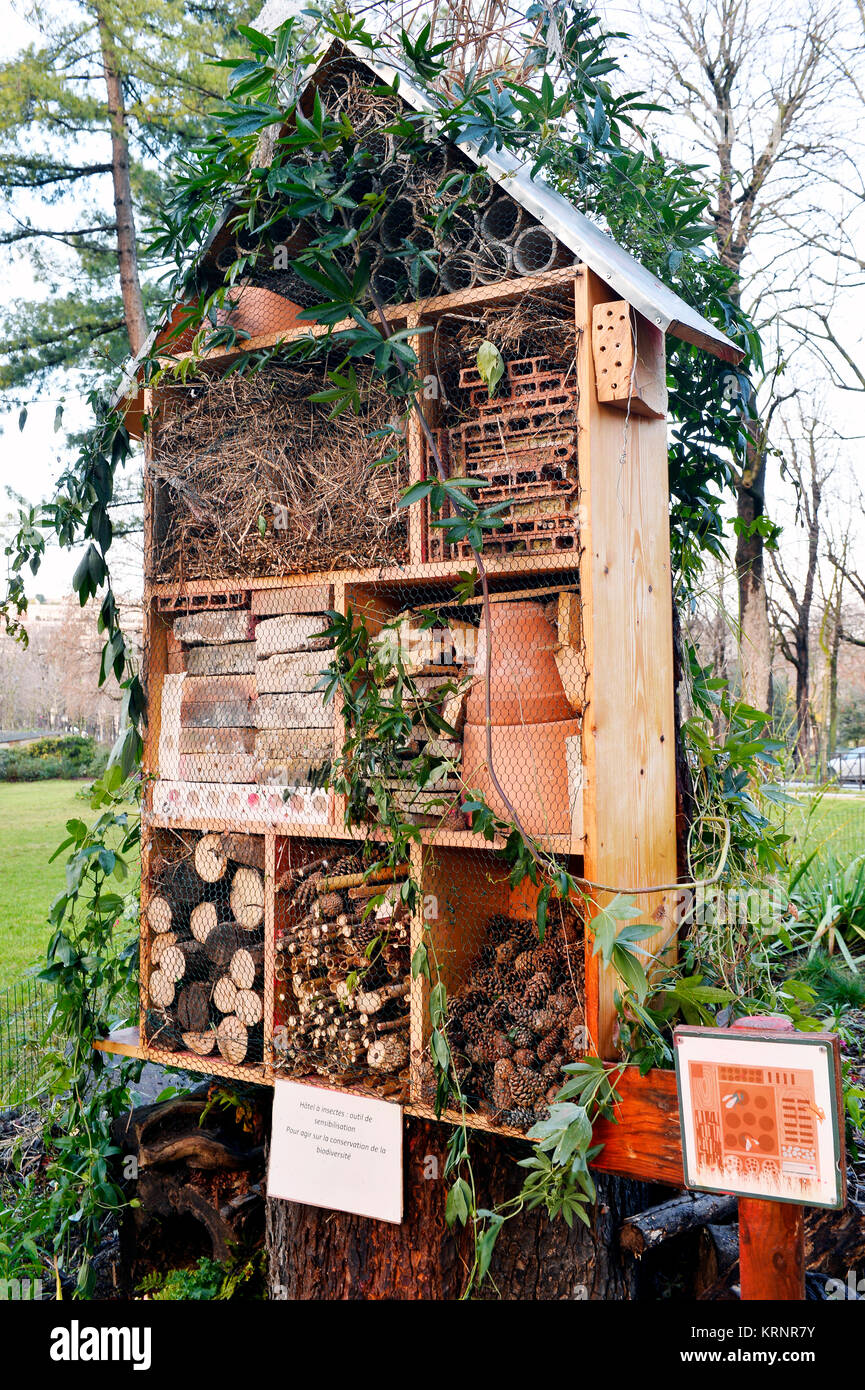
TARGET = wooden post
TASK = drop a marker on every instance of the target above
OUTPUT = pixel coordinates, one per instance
(771, 1234)
(629, 749)
(771, 1250)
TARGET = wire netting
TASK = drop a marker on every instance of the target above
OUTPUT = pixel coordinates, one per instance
(355, 704)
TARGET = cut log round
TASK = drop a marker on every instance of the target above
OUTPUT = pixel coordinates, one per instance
(159, 914)
(221, 944)
(244, 849)
(173, 963)
(231, 1039)
(248, 1007)
(201, 1043)
(193, 1007)
(225, 994)
(387, 1054)
(209, 859)
(247, 898)
(202, 920)
(245, 966)
(161, 988)
(160, 944)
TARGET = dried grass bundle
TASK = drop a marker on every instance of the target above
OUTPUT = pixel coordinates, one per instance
(253, 479)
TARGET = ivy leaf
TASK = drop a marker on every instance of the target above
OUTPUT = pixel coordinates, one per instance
(491, 365)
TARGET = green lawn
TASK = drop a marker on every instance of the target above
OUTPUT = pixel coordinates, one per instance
(33, 818)
(836, 824)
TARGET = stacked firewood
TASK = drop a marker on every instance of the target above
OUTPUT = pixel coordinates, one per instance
(519, 1017)
(205, 919)
(342, 971)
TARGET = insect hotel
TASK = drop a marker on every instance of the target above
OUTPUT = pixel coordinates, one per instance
(277, 933)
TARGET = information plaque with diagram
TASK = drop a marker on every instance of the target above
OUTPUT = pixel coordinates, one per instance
(761, 1114)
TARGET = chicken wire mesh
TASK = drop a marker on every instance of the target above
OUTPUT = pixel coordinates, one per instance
(354, 704)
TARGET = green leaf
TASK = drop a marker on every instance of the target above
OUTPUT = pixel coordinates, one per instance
(491, 365)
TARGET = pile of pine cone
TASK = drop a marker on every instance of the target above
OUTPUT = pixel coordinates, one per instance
(520, 1017)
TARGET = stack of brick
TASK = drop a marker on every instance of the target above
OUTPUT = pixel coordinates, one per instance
(523, 440)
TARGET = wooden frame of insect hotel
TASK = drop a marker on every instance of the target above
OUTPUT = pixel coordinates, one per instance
(541, 695)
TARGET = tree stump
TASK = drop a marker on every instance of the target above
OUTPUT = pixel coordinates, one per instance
(316, 1254)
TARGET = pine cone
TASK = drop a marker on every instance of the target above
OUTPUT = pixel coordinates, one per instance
(524, 964)
(525, 1085)
(561, 1002)
(502, 1076)
(542, 1021)
(522, 1037)
(502, 1045)
(537, 989)
(521, 1117)
(549, 1045)
(525, 1057)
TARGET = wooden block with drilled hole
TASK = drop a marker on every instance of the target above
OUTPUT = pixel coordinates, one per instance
(288, 745)
(628, 354)
(306, 598)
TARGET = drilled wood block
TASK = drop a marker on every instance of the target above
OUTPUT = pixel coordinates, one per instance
(628, 353)
(217, 767)
(285, 745)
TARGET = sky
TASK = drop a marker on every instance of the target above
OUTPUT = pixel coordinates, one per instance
(30, 459)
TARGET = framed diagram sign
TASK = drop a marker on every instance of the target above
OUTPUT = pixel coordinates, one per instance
(761, 1114)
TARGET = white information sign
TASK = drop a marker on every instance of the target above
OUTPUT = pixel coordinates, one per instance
(336, 1150)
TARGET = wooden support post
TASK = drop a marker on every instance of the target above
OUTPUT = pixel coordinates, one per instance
(629, 750)
(771, 1250)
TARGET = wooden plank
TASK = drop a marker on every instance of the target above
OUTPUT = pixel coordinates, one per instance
(123, 1042)
(289, 672)
(214, 626)
(221, 741)
(304, 598)
(771, 1251)
(228, 659)
(269, 952)
(296, 632)
(646, 1142)
(629, 794)
(216, 767)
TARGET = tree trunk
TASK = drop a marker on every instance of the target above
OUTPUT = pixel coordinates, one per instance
(317, 1254)
(756, 647)
(127, 255)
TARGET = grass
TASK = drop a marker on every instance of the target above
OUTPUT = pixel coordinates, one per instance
(33, 818)
(835, 822)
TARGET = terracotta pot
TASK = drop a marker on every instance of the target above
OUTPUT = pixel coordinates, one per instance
(525, 685)
(531, 763)
(258, 311)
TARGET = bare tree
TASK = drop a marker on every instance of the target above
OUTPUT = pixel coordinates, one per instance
(803, 466)
(753, 81)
